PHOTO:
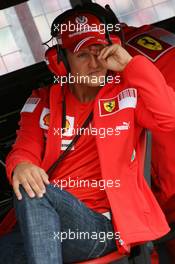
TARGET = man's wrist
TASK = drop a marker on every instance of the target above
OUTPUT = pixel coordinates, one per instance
(21, 163)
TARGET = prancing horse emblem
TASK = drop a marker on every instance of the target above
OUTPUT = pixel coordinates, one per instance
(109, 106)
(149, 43)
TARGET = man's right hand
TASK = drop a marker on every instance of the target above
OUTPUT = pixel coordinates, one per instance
(31, 177)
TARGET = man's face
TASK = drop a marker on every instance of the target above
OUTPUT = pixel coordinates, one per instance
(86, 67)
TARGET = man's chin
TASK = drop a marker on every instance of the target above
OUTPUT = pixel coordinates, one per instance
(90, 80)
(96, 80)
(92, 84)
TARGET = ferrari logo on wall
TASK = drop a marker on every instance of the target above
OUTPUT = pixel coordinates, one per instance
(153, 47)
(149, 43)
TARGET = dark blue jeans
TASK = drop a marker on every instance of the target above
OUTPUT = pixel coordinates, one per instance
(55, 229)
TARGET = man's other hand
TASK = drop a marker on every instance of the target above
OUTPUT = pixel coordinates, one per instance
(31, 177)
(114, 57)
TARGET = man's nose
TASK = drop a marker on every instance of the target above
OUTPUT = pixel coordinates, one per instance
(94, 61)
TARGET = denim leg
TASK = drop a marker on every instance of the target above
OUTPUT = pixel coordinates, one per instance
(47, 222)
(12, 248)
(38, 220)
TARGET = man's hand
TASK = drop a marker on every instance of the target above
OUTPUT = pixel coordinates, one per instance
(31, 177)
(114, 57)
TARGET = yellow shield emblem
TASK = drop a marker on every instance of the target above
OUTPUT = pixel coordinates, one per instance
(109, 106)
(149, 43)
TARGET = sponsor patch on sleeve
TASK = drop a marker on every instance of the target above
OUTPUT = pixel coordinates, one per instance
(30, 104)
(45, 118)
(152, 44)
(125, 99)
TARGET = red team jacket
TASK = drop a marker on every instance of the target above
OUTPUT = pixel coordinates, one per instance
(142, 99)
(158, 45)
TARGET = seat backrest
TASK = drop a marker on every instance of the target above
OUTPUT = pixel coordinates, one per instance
(6, 198)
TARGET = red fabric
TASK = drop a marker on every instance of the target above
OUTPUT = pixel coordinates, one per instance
(136, 214)
(88, 166)
(154, 257)
(163, 143)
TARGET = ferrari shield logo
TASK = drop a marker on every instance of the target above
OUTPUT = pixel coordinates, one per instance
(109, 106)
(149, 43)
(124, 99)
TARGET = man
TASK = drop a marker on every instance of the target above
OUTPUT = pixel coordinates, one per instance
(45, 212)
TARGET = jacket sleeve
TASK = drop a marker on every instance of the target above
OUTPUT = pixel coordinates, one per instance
(29, 145)
(155, 108)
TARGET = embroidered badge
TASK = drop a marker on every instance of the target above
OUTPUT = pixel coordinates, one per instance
(30, 104)
(69, 126)
(45, 118)
(109, 106)
(125, 99)
(81, 20)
